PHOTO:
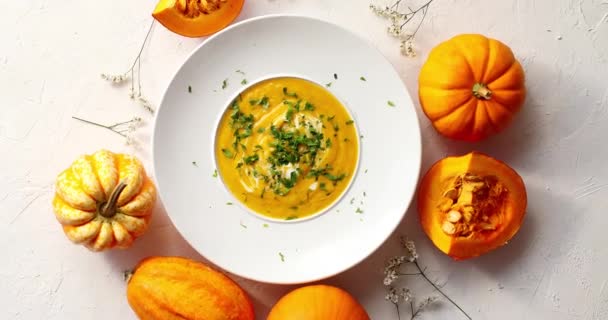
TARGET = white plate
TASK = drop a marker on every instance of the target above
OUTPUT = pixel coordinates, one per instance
(279, 252)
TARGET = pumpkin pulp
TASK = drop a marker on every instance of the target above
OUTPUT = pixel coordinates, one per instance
(471, 205)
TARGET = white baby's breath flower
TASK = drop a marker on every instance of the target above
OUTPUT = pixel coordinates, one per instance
(392, 295)
(145, 104)
(405, 295)
(116, 79)
(390, 277)
(407, 48)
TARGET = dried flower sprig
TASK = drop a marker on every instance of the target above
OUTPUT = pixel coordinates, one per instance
(393, 271)
(130, 76)
(399, 21)
(123, 129)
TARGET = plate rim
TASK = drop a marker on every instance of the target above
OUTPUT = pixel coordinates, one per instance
(418, 141)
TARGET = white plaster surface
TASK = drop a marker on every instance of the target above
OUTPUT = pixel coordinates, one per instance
(51, 55)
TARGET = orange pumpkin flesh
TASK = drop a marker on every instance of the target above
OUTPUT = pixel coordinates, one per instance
(318, 302)
(197, 18)
(471, 205)
(471, 87)
(163, 288)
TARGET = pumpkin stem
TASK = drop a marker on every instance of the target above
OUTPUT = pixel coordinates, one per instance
(108, 209)
(481, 91)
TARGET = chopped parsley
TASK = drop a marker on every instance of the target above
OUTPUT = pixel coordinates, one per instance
(228, 153)
(289, 94)
(265, 225)
(309, 107)
(282, 257)
(328, 84)
(291, 218)
(190, 89)
(194, 163)
(328, 143)
(390, 103)
(359, 211)
(224, 84)
(241, 72)
(261, 130)
(243, 225)
(264, 102)
(251, 159)
(214, 173)
(244, 81)
(362, 79)
(336, 76)
(349, 122)
(323, 186)
(229, 203)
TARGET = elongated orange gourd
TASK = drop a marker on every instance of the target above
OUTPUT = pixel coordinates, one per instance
(318, 302)
(174, 288)
(471, 205)
(471, 87)
(104, 200)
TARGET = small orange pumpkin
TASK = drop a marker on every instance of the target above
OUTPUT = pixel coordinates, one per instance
(471, 205)
(318, 302)
(172, 288)
(471, 87)
(197, 18)
(104, 200)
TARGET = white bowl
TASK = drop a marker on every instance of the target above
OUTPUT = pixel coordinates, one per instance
(244, 243)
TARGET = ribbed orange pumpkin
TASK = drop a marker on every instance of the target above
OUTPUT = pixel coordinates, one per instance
(318, 302)
(104, 200)
(168, 288)
(471, 86)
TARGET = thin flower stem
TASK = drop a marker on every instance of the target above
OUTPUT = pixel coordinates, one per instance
(412, 310)
(143, 45)
(397, 307)
(409, 274)
(439, 290)
(111, 128)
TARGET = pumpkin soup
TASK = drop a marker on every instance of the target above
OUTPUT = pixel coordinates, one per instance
(287, 148)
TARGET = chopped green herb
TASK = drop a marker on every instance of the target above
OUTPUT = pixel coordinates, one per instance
(331, 118)
(194, 163)
(334, 178)
(244, 82)
(321, 116)
(390, 103)
(264, 102)
(336, 127)
(238, 165)
(263, 191)
(190, 89)
(349, 122)
(241, 72)
(289, 94)
(282, 257)
(359, 211)
(328, 143)
(294, 208)
(352, 201)
(224, 84)
(336, 76)
(261, 130)
(323, 186)
(365, 171)
(346, 139)
(364, 194)
(328, 84)
(257, 147)
(362, 79)
(243, 225)
(228, 153)
(251, 159)
(289, 114)
(291, 218)
(265, 225)
(361, 137)
(214, 173)
(229, 203)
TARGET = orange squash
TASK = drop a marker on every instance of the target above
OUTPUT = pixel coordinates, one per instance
(172, 288)
(104, 200)
(197, 18)
(471, 205)
(318, 302)
(471, 87)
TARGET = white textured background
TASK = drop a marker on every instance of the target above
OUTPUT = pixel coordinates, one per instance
(51, 55)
